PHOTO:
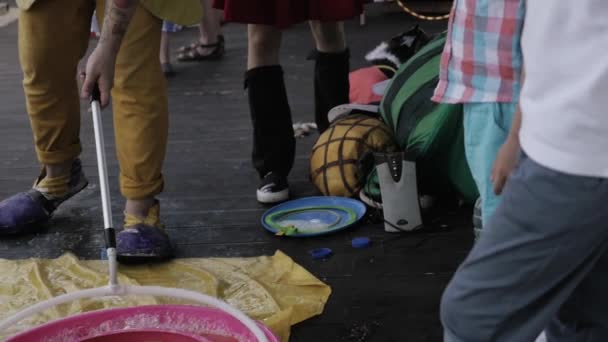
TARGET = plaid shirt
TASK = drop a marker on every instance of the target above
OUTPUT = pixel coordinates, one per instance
(482, 59)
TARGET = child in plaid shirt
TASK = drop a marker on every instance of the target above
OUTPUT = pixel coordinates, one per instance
(542, 260)
(481, 68)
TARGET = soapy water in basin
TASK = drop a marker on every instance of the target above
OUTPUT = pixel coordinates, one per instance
(221, 321)
(178, 323)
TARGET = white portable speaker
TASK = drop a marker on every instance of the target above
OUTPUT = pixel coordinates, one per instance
(399, 191)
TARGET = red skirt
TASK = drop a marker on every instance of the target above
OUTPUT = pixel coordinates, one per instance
(284, 13)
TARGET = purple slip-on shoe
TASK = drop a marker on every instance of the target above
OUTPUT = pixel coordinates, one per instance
(24, 212)
(142, 243)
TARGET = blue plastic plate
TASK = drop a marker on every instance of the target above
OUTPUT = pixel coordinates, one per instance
(313, 216)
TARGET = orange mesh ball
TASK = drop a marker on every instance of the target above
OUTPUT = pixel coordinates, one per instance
(334, 159)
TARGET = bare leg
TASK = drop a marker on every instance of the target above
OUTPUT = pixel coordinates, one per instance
(164, 48)
(210, 27)
(329, 37)
(210, 44)
(264, 46)
(139, 208)
(273, 141)
(58, 170)
(331, 69)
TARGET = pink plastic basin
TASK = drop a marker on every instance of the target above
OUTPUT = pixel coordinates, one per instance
(157, 323)
(146, 336)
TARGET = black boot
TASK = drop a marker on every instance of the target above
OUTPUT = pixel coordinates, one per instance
(273, 140)
(331, 84)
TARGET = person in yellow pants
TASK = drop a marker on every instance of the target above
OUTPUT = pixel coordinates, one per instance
(53, 37)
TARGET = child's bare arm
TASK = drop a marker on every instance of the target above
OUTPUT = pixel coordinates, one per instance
(509, 152)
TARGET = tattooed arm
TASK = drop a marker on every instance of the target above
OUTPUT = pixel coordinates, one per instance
(100, 66)
(117, 16)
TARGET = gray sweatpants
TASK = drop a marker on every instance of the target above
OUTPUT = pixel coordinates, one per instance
(541, 264)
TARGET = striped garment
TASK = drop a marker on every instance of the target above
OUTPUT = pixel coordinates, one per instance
(482, 59)
(170, 27)
(167, 26)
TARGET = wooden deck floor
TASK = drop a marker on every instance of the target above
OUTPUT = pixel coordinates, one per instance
(389, 292)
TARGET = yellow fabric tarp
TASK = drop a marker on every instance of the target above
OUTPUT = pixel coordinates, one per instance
(182, 12)
(274, 290)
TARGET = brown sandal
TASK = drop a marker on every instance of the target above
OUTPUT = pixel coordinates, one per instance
(195, 44)
(187, 48)
(191, 53)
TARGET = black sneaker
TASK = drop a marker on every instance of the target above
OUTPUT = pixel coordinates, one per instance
(273, 189)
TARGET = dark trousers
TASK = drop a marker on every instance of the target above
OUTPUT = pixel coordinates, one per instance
(541, 264)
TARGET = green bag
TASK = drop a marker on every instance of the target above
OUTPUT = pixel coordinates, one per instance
(432, 133)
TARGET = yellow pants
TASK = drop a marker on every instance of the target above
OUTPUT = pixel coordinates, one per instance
(53, 37)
